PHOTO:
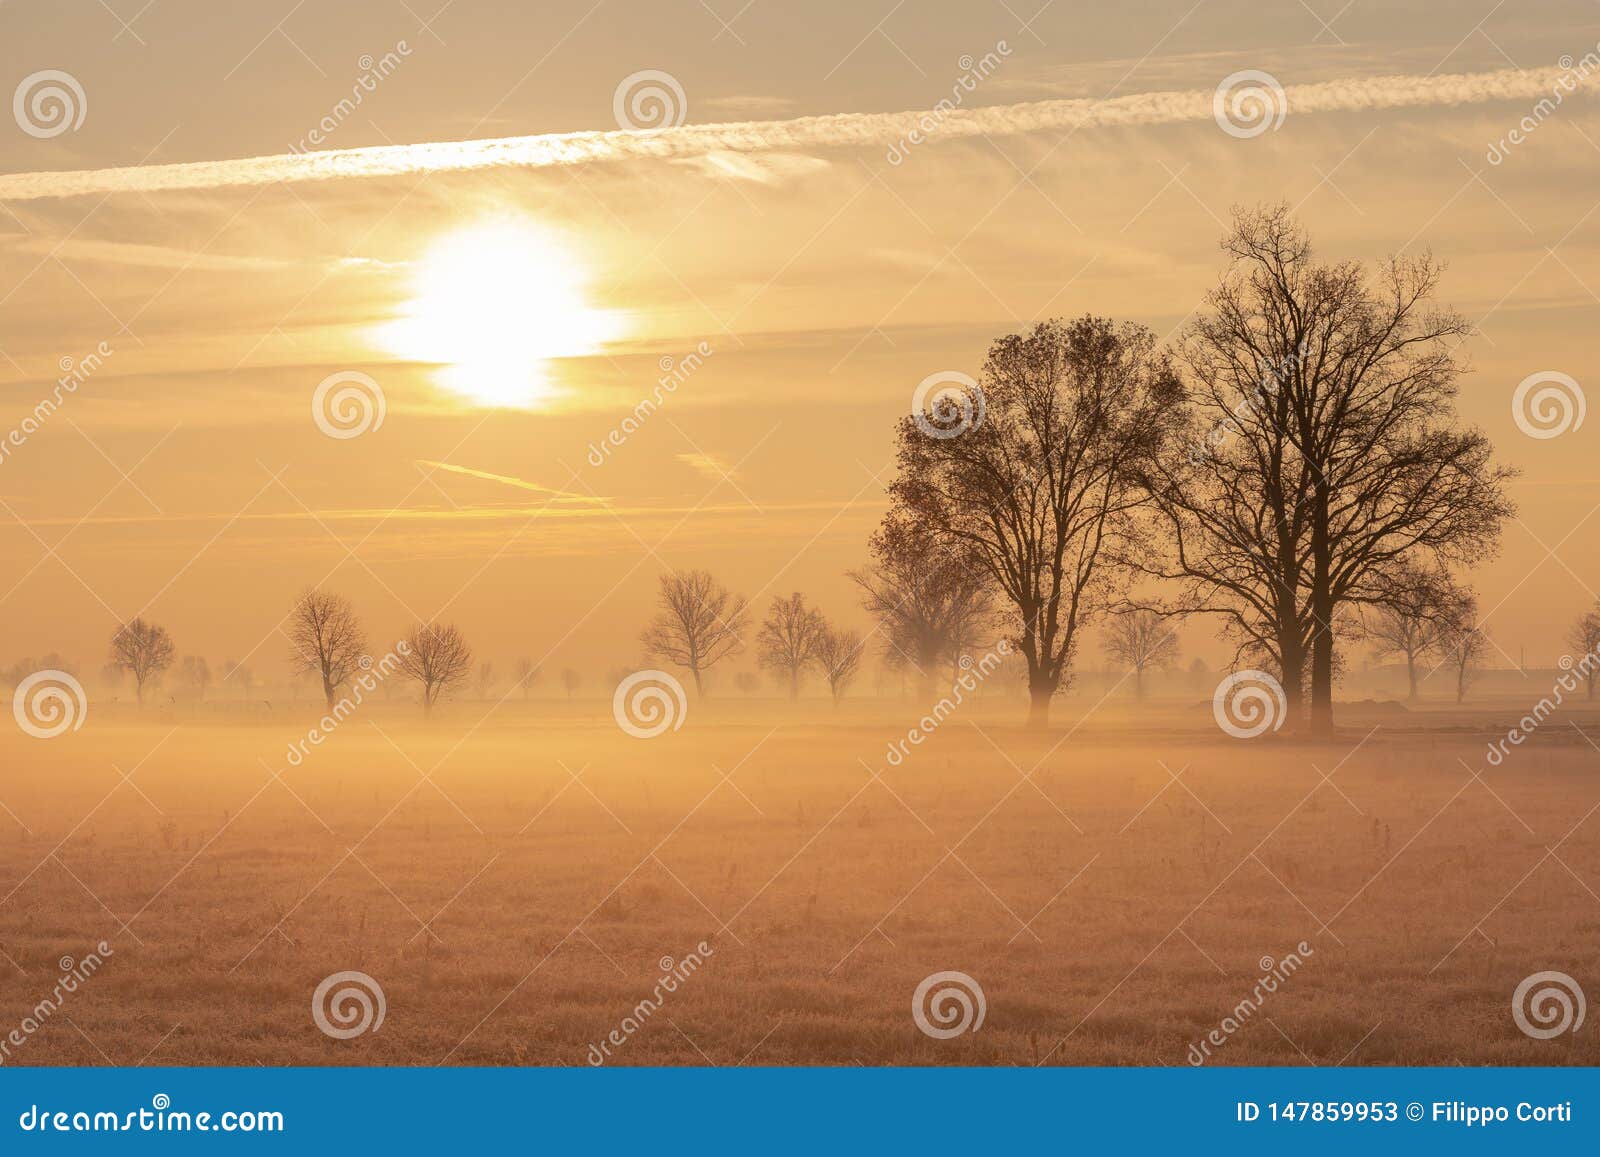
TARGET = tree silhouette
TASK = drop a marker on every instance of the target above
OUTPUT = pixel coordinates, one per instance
(327, 639)
(1464, 647)
(142, 649)
(788, 639)
(838, 653)
(927, 602)
(527, 674)
(438, 658)
(197, 673)
(1585, 639)
(1142, 640)
(1418, 612)
(1038, 495)
(698, 625)
(1324, 458)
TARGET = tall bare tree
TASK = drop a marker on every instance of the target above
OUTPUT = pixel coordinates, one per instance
(1038, 494)
(571, 679)
(327, 639)
(699, 623)
(1330, 457)
(1142, 641)
(142, 649)
(1584, 638)
(928, 603)
(838, 652)
(788, 639)
(437, 657)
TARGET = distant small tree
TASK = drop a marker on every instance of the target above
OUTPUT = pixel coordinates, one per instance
(240, 677)
(527, 674)
(485, 679)
(438, 658)
(142, 649)
(326, 638)
(789, 638)
(1464, 649)
(197, 673)
(1417, 615)
(1143, 641)
(699, 623)
(1585, 639)
(748, 682)
(570, 679)
(838, 653)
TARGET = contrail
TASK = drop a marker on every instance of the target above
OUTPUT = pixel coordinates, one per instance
(840, 130)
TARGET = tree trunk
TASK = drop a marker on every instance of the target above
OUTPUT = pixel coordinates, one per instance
(794, 685)
(327, 692)
(1039, 696)
(1138, 682)
(699, 689)
(1322, 618)
(1291, 676)
(1411, 675)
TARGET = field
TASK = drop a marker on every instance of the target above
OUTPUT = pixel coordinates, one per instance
(514, 877)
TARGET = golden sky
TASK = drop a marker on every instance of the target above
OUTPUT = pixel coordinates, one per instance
(209, 226)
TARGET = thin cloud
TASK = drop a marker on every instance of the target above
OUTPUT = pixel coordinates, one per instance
(518, 483)
(842, 130)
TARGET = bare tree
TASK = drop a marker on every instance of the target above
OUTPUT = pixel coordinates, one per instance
(527, 674)
(699, 624)
(570, 679)
(748, 682)
(327, 639)
(1584, 638)
(1329, 459)
(1038, 495)
(142, 649)
(788, 639)
(838, 652)
(1143, 641)
(927, 602)
(1420, 609)
(485, 679)
(197, 673)
(1464, 648)
(438, 658)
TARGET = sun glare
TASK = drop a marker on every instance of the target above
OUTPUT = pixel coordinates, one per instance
(493, 305)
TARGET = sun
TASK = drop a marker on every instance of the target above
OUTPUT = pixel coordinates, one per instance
(492, 305)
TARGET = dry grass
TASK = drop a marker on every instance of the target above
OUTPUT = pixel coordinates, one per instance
(513, 915)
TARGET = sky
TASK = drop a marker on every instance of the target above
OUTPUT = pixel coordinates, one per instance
(246, 226)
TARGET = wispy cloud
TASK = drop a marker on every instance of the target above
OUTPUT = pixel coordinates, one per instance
(842, 130)
(709, 466)
(518, 483)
